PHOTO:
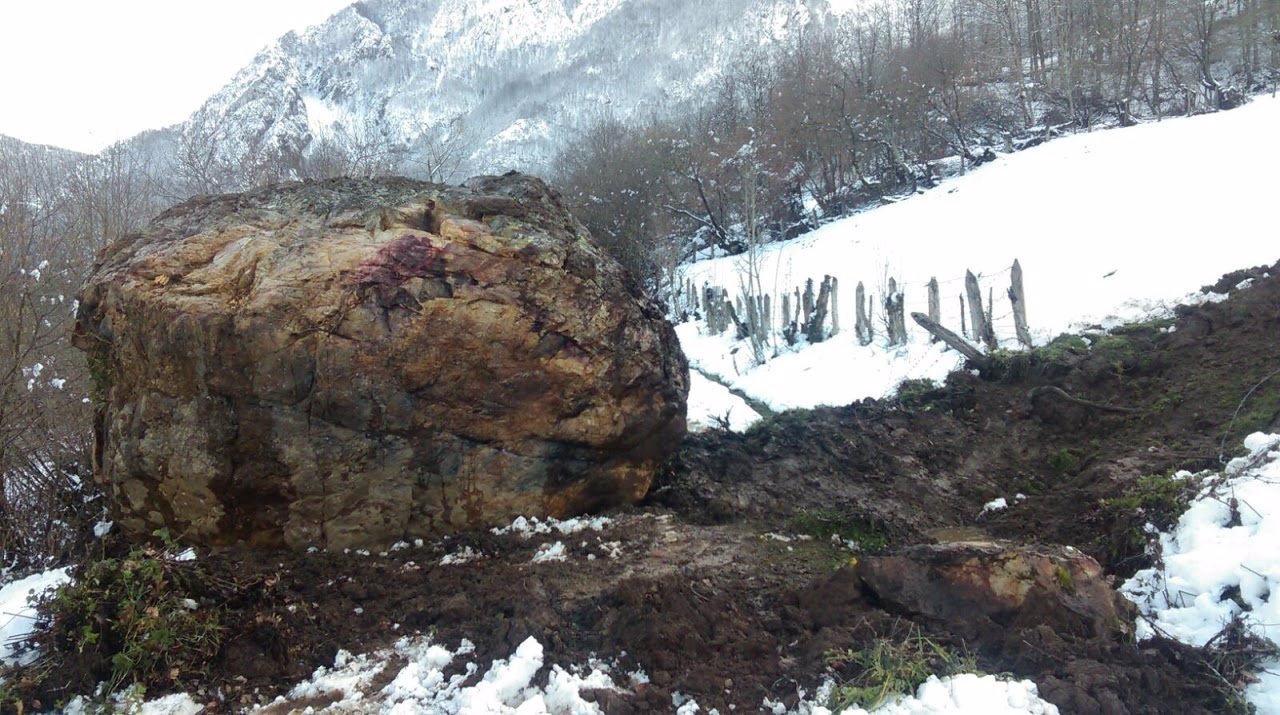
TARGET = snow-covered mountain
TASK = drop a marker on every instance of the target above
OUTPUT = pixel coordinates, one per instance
(519, 78)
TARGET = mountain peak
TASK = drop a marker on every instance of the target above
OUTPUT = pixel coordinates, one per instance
(522, 77)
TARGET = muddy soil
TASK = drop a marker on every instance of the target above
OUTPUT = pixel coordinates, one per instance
(738, 576)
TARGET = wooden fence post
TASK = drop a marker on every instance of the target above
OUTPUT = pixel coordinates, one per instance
(788, 325)
(952, 340)
(835, 307)
(818, 317)
(989, 333)
(974, 293)
(935, 305)
(807, 305)
(894, 315)
(708, 301)
(1018, 298)
(862, 326)
(982, 329)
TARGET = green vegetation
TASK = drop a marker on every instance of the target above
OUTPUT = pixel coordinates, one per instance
(1064, 462)
(772, 423)
(1018, 364)
(1150, 326)
(1155, 499)
(1254, 411)
(8, 699)
(134, 620)
(912, 392)
(822, 524)
(1119, 352)
(1063, 576)
(892, 667)
(1062, 348)
(1159, 499)
(101, 377)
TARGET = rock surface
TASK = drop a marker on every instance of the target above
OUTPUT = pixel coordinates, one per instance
(982, 588)
(353, 362)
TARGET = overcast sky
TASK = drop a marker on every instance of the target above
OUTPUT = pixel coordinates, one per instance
(82, 74)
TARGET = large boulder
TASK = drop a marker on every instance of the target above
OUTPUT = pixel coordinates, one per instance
(981, 589)
(352, 362)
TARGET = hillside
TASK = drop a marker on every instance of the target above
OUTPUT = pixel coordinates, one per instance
(753, 564)
(509, 84)
(1108, 227)
(746, 569)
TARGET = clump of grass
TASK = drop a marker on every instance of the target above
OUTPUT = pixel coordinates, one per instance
(1062, 348)
(914, 392)
(133, 620)
(1062, 575)
(823, 524)
(1119, 352)
(1153, 499)
(1064, 462)
(891, 667)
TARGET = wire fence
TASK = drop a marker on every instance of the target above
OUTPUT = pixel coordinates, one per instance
(789, 316)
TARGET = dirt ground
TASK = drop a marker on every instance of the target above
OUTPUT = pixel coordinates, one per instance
(696, 587)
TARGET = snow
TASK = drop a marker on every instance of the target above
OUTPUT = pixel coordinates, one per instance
(711, 405)
(1222, 549)
(997, 504)
(1225, 540)
(527, 527)
(432, 681)
(464, 555)
(964, 693)
(130, 702)
(1109, 227)
(322, 117)
(549, 552)
(16, 614)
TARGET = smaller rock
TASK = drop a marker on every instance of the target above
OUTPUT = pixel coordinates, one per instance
(982, 588)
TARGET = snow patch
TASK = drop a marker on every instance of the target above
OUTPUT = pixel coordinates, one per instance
(1219, 563)
(997, 504)
(422, 685)
(462, 556)
(956, 695)
(550, 552)
(913, 240)
(18, 617)
(527, 527)
(711, 405)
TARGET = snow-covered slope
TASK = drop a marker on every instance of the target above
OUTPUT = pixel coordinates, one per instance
(523, 76)
(1107, 226)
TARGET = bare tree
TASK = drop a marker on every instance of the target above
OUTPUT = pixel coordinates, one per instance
(439, 150)
(45, 248)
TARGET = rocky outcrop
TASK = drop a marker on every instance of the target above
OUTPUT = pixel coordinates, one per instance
(353, 362)
(981, 589)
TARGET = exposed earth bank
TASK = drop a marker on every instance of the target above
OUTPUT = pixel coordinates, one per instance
(728, 584)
